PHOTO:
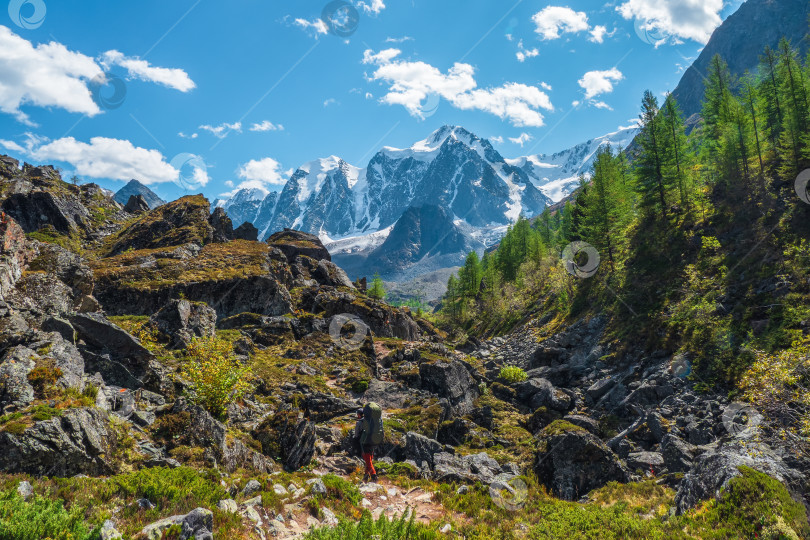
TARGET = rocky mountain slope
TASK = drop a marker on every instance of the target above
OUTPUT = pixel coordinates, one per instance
(135, 188)
(100, 313)
(740, 40)
(557, 175)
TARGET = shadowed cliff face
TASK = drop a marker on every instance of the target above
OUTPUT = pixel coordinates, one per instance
(741, 39)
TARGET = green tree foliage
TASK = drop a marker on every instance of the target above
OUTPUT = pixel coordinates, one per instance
(377, 288)
(652, 184)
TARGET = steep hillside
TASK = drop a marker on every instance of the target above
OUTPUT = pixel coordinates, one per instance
(741, 40)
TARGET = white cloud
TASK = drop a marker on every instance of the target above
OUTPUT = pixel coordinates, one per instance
(11, 145)
(141, 69)
(553, 21)
(599, 82)
(266, 125)
(524, 53)
(375, 7)
(521, 139)
(317, 26)
(184, 136)
(403, 39)
(496, 139)
(48, 75)
(686, 19)
(330, 101)
(409, 84)
(115, 159)
(261, 173)
(601, 105)
(228, 183)
(545, 86)
(598, 33)
(223, 130)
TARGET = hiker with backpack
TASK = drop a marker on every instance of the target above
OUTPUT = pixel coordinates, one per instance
(368, 435)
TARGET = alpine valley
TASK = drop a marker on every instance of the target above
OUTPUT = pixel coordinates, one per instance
(417, 210)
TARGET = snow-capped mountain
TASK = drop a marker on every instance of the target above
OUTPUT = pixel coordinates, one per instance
(473, 193)
(557, 175)
(452, 168)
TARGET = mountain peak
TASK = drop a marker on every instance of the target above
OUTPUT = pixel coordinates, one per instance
(135, 187)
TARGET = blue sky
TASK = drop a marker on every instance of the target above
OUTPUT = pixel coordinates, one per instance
(207, 96)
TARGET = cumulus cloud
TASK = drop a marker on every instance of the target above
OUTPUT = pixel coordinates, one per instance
(524, 53)
(330, 101)
(410, 83)
(374, 7)
(546, 86)
(48, 75)
(266, 125)
(317, 27)
(141, 69)
(553, 21)
(223, 130)
(521, 139)
(685, 19)
(184, 136)
(262, 173)
(51, 75)
(600, 82)
(496, 139)
(102, 157)
(598, 34)
(402, 39)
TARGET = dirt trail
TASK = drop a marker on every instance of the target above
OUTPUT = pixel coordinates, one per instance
(378, 498)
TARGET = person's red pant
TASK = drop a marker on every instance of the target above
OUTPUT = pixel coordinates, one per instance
(368, 458)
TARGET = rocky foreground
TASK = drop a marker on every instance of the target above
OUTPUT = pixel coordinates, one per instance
(99, 303)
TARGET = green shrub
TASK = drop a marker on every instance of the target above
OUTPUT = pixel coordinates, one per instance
(403, 528)
(512, 374)
(217, 377)
(164, 487)
(40, 518)
(15, 428)
(341, 489)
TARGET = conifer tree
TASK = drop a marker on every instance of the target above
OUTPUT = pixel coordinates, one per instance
(651, 183)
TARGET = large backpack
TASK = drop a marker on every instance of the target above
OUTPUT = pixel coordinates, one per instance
(373, 425)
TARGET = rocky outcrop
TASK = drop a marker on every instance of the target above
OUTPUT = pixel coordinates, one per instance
(289, 437)
(294, 243)
(135, 188)
(136, 205)
(221, 225)
(183, 320)
(452, 381)
(15, 390)
(571, 462)
(246, 231)
(118, 356)
(196, 525)
(203, 430)
(382, 319)
(183, 221)
(80, 441)
(15, 254)
(713, 470)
